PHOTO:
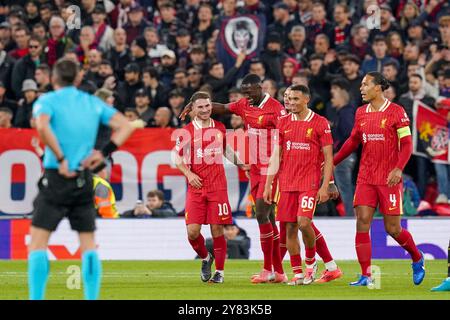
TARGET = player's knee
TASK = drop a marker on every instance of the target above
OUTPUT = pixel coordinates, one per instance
(262, 217)
(216, 230)
(304, 224)
(193, 234)
(393, 230)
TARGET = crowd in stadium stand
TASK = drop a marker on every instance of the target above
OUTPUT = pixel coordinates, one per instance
(147, 57)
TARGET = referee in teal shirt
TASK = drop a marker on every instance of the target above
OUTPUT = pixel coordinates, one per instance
(67, 121)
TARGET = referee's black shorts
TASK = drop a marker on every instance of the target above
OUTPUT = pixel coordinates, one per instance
(61, 197)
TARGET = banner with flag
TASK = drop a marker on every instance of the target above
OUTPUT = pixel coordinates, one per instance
(243, 32)
(430, 134)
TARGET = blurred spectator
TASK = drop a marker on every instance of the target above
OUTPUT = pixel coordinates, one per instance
(39, 30)
(289, 69)
(142, 102)
(379, 57)
(5, 36)
(23, 115)
(321, 44)
(155, 207)
(205, 28)
(342, 24)
(234, 94)
(198, 58)
(342, 126)
(298, 48)
(194, 78)
(21, 38)
(169, 24)
(304, 13)
(104, 34)
(416, 92)
(32, 12)
(183, 40)
(136, 22)
(391, 72)
(219, 81)
(163, 118)
(319, 81)
(93, 66)
(319, 23)
(87, 43)
(272, 57)
(139, 53)
(181, 82)
(391, 94)
(238, 243)
(167, 68)
(6, 67)
(105, 71)
(120, 54)
(395, 45)
(154, 47)
(409, 14)
(387, 23)
(6, 116)
(257, 67)
(42, 76)
(26, 66)
(157, 92)
(4, 101)
(282, 21)
(127, 89)
(176, 104)
(359, 44)
(58, 43)
(269, 86)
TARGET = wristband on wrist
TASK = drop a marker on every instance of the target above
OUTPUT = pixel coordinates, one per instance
(109, 148)
(61, 159)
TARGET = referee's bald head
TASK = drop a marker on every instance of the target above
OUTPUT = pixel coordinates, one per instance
(65, 72)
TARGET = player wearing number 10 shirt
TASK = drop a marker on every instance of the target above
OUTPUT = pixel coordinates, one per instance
(383, 129)
(199, 152)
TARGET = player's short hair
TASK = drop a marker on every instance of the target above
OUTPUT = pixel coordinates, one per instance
(156, 193)
(200, 95)
(303, 89)
(250, 79)
(379, 79)
(66, 72)
(6, 110)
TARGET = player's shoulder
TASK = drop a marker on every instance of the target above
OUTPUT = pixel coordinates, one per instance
(284, 118)
(219, 125)
(361, 109)
(317, 118)
(394, 107)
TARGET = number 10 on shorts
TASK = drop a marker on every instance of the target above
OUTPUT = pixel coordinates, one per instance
(223, 209)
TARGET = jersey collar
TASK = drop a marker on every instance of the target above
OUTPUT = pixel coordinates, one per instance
(383, 108)
(263, 102)
(198, 124)
(308, 118)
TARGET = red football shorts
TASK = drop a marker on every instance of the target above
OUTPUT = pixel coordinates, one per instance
(208, 208)
(257, 184)
(293, 204)
(389, 199)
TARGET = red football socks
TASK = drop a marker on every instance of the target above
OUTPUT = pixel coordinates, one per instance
(296, 264)
(220, 252)
(406, 241)
(310, 256)
(363, 248)
(276, 256)
(199, 246)
(321, 246)
(266, 238)
(283, 247)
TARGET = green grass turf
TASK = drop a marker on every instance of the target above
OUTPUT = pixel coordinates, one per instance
(181, 280)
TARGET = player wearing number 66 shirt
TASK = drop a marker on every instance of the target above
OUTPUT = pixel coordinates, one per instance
(304, 142)
(199, 155)
(383, 129)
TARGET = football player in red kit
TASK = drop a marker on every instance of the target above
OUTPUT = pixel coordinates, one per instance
(331, 271)
(260, 114)
(383, 129)
(304, 140)
(200, 148)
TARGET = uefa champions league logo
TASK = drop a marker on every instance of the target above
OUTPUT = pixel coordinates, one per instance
(374, 19)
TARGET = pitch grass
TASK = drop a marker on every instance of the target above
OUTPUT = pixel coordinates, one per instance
(181, 280)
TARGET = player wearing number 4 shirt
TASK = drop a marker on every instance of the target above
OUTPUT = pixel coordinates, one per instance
(200, 149)
(383, 129)
(304, 141)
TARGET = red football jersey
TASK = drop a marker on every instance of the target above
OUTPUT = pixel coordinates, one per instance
(202, 149)
(301, 143)
(378, 133)
(260, 121)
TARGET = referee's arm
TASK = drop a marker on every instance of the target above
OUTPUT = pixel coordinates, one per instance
(122, 130)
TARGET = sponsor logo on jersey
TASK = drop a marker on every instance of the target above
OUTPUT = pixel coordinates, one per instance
(373, 137)
(208, 152)
(290, 145)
